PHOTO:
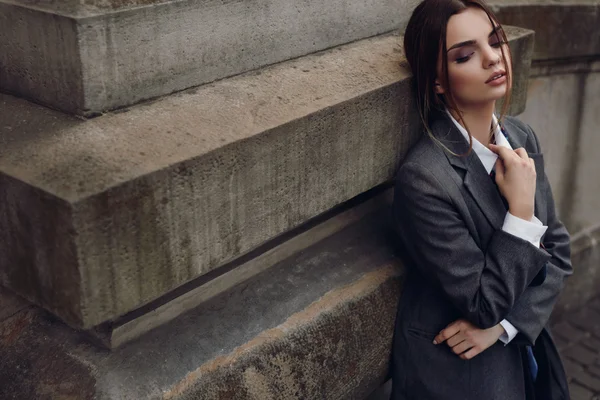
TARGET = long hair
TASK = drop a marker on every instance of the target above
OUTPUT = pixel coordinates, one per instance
(424, 41)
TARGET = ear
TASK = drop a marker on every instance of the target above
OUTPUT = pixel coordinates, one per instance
(439, 89)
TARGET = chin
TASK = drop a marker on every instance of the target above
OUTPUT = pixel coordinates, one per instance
(499, 91)
(494, 94)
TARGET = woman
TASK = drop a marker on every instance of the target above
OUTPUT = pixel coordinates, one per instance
(486, 253)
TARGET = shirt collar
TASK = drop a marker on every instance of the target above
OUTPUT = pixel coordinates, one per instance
(488, 158)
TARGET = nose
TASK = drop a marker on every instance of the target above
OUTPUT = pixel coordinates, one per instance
(491, 56)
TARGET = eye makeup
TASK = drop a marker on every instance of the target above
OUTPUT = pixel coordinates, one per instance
(462, 54)
(496, 40)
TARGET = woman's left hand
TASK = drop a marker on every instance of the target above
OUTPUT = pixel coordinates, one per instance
(466, 339)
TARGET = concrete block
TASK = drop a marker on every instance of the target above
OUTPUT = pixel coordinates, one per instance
(329, 337)
(84, 59)
(40, 57)
(103, 216)
(563, 29)
(586, 200)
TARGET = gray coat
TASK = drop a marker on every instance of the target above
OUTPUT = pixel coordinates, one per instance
(460, 263)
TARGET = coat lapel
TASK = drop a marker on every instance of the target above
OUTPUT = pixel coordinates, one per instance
(476, 180)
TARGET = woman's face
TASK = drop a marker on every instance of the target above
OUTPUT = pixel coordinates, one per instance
(476, 69)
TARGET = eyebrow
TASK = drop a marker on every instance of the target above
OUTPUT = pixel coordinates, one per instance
(471, 42)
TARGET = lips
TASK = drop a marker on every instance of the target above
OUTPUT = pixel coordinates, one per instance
(495, 76)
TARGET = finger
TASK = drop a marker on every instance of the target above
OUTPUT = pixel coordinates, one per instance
(522, 153)
(471, 353)
(447, 333)
(456, 339)
(503, 152)
(462, 347)
(499, 170)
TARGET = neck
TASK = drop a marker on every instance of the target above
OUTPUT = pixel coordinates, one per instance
(478, 121)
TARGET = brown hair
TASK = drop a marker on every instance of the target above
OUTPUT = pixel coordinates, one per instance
(425, 36)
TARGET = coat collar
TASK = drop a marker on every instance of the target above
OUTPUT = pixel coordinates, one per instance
(447, 133)
(476, 179)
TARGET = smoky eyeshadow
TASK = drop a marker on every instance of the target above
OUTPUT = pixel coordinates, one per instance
(461, 53)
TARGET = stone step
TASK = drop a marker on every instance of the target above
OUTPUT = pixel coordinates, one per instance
(168, 307)
(88, 57)
(316, 326)
(102, 216)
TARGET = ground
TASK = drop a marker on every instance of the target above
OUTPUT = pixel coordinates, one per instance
(578, 339)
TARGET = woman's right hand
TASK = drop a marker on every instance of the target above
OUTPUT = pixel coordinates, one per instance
(515, 177)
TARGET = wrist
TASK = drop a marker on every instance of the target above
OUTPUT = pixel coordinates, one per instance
(499, 330)
(525, 213)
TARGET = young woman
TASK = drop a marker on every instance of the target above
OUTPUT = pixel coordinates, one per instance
(486, 254)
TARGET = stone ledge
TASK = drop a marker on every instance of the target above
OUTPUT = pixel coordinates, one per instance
(83, 60)
(564, 67)
(102, 216)
(329, 336)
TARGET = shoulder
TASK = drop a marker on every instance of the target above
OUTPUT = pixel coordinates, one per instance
(423, 168)
(425, 154)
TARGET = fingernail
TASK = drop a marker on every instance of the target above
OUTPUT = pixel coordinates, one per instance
(434, 341)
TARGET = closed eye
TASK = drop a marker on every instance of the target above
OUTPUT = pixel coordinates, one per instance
(463, 59)
(496, 36)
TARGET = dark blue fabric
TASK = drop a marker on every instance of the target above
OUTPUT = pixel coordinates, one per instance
(533, 366)
(540, 277)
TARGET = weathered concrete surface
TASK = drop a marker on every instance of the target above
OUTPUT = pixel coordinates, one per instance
(102, 216)
(39, 57)
(563, 29)
(84, 60)
(132, 325)
(328, 338)
(10, 304)
(584, 284)
(586, 201)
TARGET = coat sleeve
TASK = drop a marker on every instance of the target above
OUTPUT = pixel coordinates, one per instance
(532, 311)
(483, 286)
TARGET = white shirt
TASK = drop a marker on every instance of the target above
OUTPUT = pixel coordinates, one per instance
(532, 231)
